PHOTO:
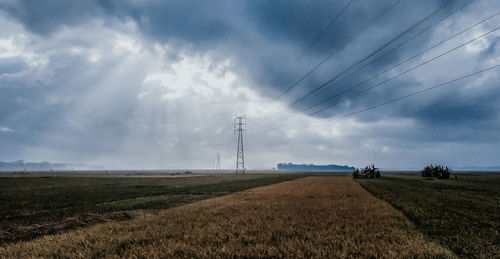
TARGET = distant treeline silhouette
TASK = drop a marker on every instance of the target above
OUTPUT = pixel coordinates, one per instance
(312, 167)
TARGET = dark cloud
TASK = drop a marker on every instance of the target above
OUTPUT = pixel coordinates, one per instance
(264, 40)
(11, 65)
(43, 17)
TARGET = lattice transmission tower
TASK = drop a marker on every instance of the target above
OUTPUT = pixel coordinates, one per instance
(239, 126)
(217, 167)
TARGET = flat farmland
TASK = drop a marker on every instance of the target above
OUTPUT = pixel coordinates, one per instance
(308, 217)
(37, 204)
(460, 213)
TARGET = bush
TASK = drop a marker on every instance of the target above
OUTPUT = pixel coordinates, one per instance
(368, 172)
(355, 174)
(436, 171)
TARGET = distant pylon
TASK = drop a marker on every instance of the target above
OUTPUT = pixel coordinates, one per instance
(217, 167)
(239, 126)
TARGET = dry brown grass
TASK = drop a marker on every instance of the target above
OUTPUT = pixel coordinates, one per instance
(309, 217)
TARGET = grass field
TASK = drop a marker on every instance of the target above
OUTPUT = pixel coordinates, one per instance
(462, 214)
(308, 217)
(32, 205)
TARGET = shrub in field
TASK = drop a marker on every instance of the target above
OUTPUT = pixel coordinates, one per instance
(436, 171)
(355, 174)
(368, 172)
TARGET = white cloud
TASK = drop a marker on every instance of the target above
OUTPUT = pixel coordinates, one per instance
(16, 46)
(5, 129)
(126, 45)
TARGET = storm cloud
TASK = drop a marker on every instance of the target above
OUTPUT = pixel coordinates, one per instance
(155, 84)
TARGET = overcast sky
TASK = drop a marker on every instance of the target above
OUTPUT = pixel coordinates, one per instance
(156, 84)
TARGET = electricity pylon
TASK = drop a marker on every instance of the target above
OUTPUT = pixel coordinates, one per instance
(217, 167)
(239, 126)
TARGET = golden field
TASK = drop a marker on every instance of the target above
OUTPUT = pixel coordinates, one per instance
(308, 217)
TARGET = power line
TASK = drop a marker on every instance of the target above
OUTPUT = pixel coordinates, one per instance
(313, 42)
(402, 62)
(401, 44)
(326, 29)
(406, 41)
(404, 72)
(393, 49)
(415, 93)
(478, 23)
(353, 36)
(432, 47)
(374, 52)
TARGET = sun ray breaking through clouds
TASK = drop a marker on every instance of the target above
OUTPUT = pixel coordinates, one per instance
(151, 84)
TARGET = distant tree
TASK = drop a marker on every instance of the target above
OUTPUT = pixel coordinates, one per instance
(367, 172)
(355, 174)
(436, 171)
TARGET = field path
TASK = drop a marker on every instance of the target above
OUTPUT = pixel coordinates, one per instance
(309, 217)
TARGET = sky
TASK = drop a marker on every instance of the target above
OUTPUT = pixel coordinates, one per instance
(150, 84)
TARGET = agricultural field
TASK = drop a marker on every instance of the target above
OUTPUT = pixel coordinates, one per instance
(36, 204)
(321, 216)
(254, 215)
(461, 213)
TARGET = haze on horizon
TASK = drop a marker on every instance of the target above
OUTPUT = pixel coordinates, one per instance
(156, 84)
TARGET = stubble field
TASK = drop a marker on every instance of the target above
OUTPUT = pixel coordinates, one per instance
(307, 217)
(37, 204)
